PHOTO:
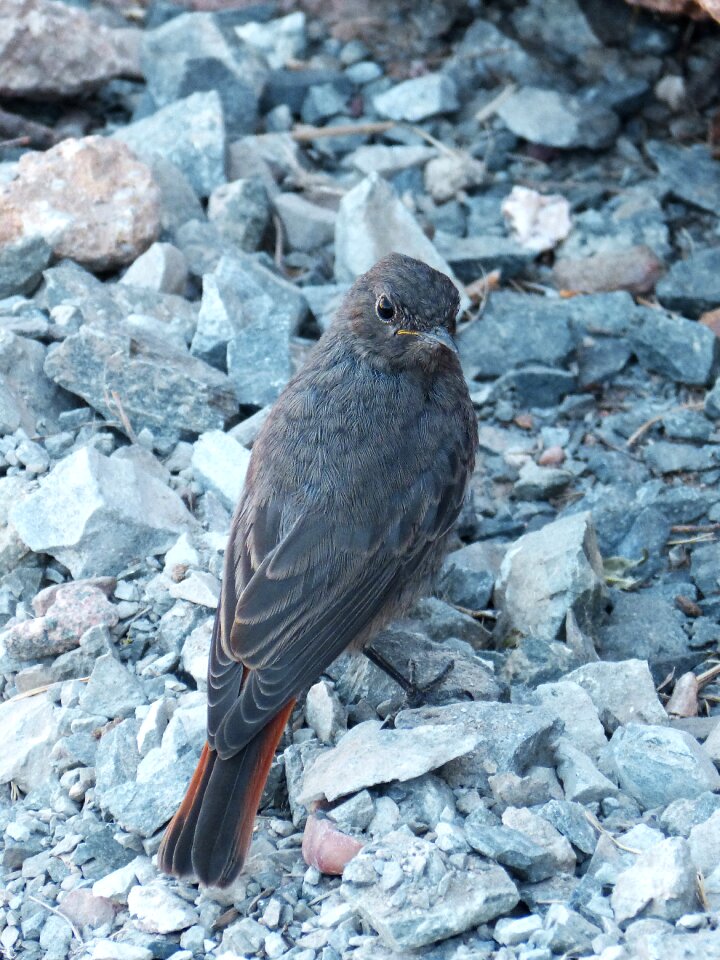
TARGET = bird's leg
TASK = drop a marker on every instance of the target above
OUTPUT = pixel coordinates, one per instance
(374, 656)
(413, 690)
(430, 684)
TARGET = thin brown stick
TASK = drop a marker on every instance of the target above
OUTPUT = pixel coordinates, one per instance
(695, 528)
(593, 821)
(490, 109)
(303, 133)
(76, 932)
(124, 419)
(701, 894)
(644, 427)
(41, 689)
(708, 675)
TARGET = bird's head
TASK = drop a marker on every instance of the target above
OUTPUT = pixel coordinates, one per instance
(403, 312)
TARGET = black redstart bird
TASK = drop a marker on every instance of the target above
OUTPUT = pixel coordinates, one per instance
(354, 484)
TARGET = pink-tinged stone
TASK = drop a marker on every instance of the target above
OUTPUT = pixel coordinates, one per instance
(51, 50)
(84, 909)
(326, 848)
(73, 609)
(91, 200)
(551, 457)
(635, 269)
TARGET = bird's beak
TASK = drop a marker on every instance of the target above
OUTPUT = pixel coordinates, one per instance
(439, 335)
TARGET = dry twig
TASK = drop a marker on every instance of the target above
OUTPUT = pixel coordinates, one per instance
(76, 932)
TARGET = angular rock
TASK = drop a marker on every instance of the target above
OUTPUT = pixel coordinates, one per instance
(118, 883)
(712, 744)
(514, 331)
(178, 201)
(322, 101)
(581, 779)
(369, 754)
(704, 568)
(190, 133)
(420, 898)
(474, 256)
(324, 713)
(657, 765)
(38, 400)
(195, 53)
(142, 803)
(636, 269)
(112, 690)
(702, 189)
(510, 932)
(677, 348)
(570, 820)
(540, 483)
(22, 264)
(74, 608)
(306, 225)
(468, 574)
(155, 384)
(241, 211)
(542, 833)
(84, 908)
(12, 549)
(548, 573)
(692, 286)
(162, 267)
(199, 587)
(446, 175)
(538, 221)
(509, 737)
(388, 160)
(645, 625)
(561, 24)
(512, 848)
(623, 692)
(113, 950)
(681, 816)
(704, 839)
(50, 50)
(661, 883)
(372, 222)
(220, 463)
(280, 40)
(568, 930)
(31, 726)
(112, 305)
(157, 909)
(574, 706)
(418, 99)
(496, 56)
(326, 848)
(247, 316)
(556, 119)
(89, 199)
(195, 653)
(97, 514)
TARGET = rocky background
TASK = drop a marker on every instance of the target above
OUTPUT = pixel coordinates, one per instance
(185, 195)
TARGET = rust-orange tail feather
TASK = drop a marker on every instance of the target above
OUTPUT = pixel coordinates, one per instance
(210, 834)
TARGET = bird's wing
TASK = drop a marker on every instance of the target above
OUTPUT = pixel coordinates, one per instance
(285, 620)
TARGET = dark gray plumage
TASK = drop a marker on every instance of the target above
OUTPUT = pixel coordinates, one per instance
(354, 484)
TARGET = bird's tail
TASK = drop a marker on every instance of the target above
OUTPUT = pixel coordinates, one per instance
(210, 834)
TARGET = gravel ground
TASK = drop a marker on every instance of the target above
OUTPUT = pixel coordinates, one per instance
(176, 229)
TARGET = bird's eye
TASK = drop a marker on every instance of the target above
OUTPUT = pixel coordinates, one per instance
(384, 309)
